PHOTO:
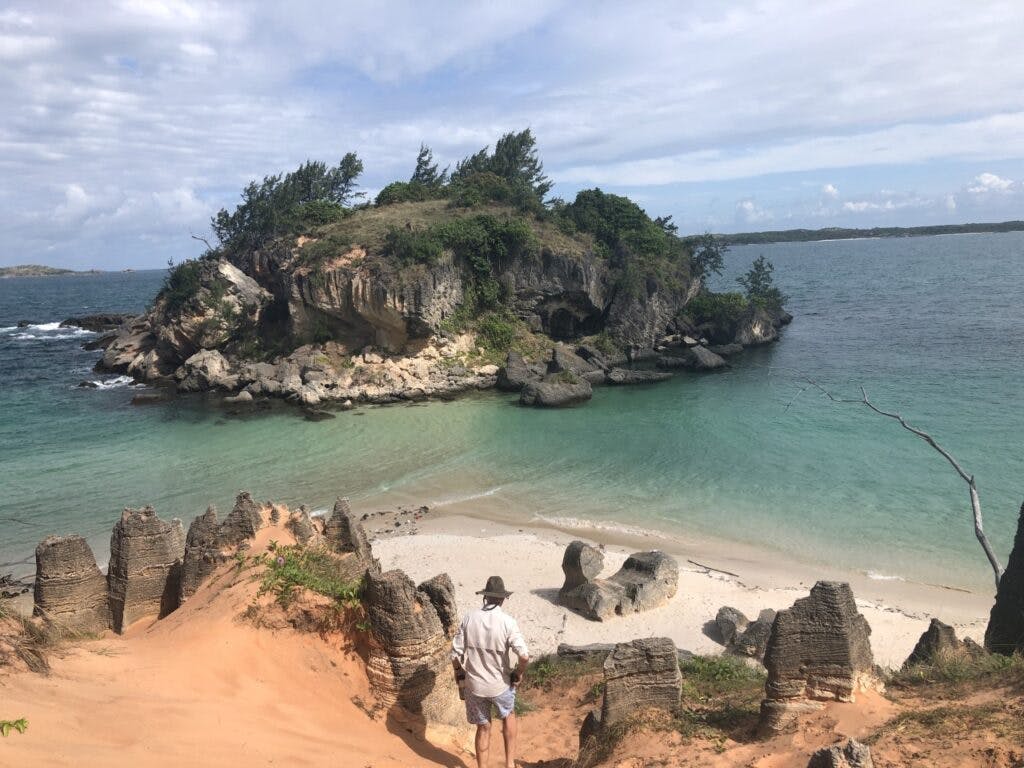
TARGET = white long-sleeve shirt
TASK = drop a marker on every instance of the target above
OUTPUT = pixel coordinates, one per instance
(481, 647)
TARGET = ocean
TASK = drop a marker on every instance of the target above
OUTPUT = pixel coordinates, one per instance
(931, 326)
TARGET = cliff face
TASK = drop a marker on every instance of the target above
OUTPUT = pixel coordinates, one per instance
(268, 303)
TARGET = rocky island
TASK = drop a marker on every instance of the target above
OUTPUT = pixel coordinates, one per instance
(38, 270)
(445, 283)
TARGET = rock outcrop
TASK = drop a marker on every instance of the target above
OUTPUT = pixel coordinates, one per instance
(206, 369)
(556, 391)
(344, 532)
(306, 531)
(646, 580)
(70, 591)
(639, 675)
(819, 649)
(203, 553)
(742, 636)
(696, 358)
(408, 663)
(621, 376)
(1005, 631)
(853, 754)
(516, 373)
(242, 523)
(145, 566)
(940, 642)
(441, 593)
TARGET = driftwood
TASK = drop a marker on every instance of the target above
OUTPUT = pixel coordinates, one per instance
(979, 530)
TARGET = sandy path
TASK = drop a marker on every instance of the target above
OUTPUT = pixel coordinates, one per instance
(201, 688)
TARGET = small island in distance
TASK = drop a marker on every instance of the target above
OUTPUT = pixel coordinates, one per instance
(844, 233)
(38, 270)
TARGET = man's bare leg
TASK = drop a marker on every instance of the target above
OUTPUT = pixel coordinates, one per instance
(483, 744)
(509, 730)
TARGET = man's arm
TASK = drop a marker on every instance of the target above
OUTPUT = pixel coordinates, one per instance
(459, 647)
(517, 643)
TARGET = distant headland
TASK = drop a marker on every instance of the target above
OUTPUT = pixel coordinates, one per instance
(841, 233)
(38, 270)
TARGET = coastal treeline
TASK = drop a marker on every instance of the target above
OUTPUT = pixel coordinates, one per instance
(846, 233)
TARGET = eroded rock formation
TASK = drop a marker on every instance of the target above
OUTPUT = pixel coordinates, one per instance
(1005, 631)
(853, 754)
(646, 580)
(408, 661)
(344, 533)
(639, 675)
(819, 649)
(203, 553)
(145, 566)
(939, 642)
(742, 636)
(242, 523)
(70, 590)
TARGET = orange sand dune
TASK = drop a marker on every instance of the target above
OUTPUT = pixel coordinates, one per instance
(202, 688)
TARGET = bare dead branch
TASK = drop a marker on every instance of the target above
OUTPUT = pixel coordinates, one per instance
(979, 530)
(203, 240)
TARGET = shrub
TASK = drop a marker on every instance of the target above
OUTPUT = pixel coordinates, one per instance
(717, 308)
(514, 160)
(181, 283)
(409, 246)
(496, 331)
(314, 568)
(318, 251)
(406, 192)
(20, 725)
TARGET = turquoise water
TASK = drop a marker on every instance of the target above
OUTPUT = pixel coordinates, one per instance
(933, 327)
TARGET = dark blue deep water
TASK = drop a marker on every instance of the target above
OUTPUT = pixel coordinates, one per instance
(931, 326)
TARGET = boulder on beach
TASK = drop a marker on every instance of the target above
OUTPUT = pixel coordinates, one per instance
(646, 580)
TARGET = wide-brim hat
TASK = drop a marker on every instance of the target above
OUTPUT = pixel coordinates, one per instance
(495, 587)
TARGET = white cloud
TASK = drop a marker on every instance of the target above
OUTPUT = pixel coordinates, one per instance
(989, 182)
(749, 212)
(160, 110)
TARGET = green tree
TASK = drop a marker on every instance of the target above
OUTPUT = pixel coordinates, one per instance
(707, 254)
(515, 160)
(760, 285)
(426, 173)
(311, 194)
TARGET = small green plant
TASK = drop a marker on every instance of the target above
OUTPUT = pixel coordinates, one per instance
(315, 568)
(496, 331)
(20, 725)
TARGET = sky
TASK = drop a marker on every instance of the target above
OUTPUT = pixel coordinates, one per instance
(126, 125)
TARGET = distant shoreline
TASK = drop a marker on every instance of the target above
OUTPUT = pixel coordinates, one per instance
(39, 270)
(841, 233)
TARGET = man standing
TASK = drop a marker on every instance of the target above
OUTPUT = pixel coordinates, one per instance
(480, 655)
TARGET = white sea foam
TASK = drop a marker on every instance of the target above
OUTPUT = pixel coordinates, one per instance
(447, 500)
(883, 577)
(119, 381)
(599, 525)
(68, 333)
